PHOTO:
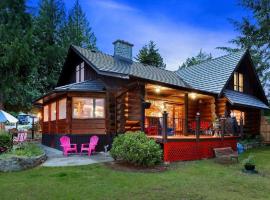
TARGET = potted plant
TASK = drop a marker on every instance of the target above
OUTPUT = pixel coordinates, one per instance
(249, 163)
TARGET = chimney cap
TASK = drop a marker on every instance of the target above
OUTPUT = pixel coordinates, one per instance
(123, 42)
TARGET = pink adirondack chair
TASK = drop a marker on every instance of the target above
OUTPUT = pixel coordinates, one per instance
(91, 146)
(22, 136)
(67, 147)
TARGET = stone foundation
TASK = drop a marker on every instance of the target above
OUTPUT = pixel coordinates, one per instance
(16, 163)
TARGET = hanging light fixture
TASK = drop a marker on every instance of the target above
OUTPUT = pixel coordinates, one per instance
(193, 95)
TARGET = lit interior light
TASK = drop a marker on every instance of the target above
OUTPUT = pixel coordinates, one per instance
(193, 95)
(39, 115)
(157, 89)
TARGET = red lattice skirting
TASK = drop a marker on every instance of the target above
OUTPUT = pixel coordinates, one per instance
(192, 150)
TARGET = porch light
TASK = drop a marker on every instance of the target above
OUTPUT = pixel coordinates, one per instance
(193, 95)
(157, 89)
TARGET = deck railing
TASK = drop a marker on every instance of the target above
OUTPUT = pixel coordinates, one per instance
(165, 126)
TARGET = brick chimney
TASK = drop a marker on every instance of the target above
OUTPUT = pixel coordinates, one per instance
(123, 50)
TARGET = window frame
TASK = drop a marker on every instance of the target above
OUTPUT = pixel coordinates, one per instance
(59, 116)
(240, 113)
(48, 113)
(51, 113)
(237, 79)
(93, 109)
(80, 72)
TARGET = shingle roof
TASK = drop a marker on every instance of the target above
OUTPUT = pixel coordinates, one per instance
(89, 85)
(107, 63)
(212, 75)
(244, 99)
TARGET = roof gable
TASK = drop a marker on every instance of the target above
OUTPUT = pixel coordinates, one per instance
(212, 75)
(109, 65)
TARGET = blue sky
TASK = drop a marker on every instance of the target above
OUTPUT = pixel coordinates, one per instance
(180, 28)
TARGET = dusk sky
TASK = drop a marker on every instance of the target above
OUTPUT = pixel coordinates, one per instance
(179, 28)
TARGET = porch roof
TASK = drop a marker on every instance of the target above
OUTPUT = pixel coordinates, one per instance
(239, 98)
(85, 86)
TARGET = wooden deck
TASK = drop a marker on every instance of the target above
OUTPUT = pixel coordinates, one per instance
(182, 148)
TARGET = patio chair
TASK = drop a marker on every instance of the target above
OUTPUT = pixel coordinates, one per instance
(67, 147)
(152, 130)
(91, 146)
(21, 137)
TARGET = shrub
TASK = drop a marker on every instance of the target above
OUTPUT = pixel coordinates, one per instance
(135, 148)
(5, 141)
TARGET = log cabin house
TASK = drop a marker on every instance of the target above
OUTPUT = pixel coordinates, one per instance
(104, 95)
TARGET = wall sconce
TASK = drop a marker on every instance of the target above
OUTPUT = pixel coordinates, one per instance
(193, 95)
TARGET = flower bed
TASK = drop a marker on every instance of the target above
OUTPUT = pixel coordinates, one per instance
(21, 157)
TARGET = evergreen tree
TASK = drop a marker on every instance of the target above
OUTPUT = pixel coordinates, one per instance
(78, 30)
(150, 55)
(199, 58)
(49, 28)
(254, 34)
(17, 59)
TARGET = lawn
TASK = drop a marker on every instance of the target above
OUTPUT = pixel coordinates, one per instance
(186, 180)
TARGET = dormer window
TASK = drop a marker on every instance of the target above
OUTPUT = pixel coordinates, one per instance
(238, 81)
(80, 72)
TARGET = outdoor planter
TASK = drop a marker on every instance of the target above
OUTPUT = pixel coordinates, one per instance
(249, 167)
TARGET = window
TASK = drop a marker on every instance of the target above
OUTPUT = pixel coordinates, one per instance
(238, 114)
(238, 82)
(80, 73)
(85, 108)
(46, 113)
(62, 109)
(99, 108)
(53, 111)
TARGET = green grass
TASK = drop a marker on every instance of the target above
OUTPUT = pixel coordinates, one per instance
(185, 180)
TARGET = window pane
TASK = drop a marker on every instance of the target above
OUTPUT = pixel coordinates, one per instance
(46, 113)
(77, 74)
(235, 81)
(99, 108)
(237, 114)
(82, 108)
(53, 111)
(241, 82)
(82, 71)
(62, 109)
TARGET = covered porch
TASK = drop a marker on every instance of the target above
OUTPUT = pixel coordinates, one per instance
(181, 108)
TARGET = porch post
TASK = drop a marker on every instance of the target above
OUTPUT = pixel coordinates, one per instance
(186, 114)
(142, 91)
(222, 128)
(241, 127)
(164, 126)
(198, 122)
(69, 114)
